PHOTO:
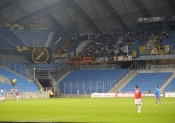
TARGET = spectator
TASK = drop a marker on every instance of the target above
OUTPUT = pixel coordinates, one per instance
(149, 91)
(14, 81)
(51, 93)
(78, 93)
(60, 93)
(167, 35)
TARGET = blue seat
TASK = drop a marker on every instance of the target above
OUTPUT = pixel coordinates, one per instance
(147, 81)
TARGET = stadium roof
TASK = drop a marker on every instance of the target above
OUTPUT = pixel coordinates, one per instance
(91, 15)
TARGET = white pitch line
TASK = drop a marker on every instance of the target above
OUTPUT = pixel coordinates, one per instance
(60, 118)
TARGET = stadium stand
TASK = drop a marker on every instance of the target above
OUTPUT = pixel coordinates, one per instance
(18, 67)
(57, 34)
(22, 83)
(147, 81)
(107, 43)
(94, 81)
(8, 34)
(170, 39)
(30, 37)
(6, 86)
(52, 65)
(170, 87)
(5, 44)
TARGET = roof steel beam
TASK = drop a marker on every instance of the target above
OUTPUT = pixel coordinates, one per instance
(40, 13)
(172, 4)
(108, 7)
(49, 14)
(143, 10)
(13, 5)
(82, 14)
(8, 4)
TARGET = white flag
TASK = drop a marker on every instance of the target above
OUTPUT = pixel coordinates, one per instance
(124, 49)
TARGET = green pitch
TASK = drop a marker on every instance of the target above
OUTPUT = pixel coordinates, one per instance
(119, 110)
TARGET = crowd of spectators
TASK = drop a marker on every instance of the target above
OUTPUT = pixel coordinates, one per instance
(112, 44)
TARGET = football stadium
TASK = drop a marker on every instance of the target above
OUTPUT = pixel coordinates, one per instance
(87, 61)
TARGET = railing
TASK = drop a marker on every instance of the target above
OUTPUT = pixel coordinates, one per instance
(123, 77)
(6, 78)
(161, 50)
(163, 67)
(38, 84)
(85, 87)
(64, 70)
(67, 35)
(94, 67)
(28, 95)
(17, 68)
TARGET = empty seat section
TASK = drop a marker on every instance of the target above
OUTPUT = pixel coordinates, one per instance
(22, 83)
(147, 81)
(31, 37)
(11, 36)
(90, 81)
(170, 87)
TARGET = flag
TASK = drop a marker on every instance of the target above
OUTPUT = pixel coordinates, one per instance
(124, 49)
(135, 52)
(116, 51)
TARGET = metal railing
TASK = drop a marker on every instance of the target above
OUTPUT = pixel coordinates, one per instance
(85, 87)
(123, 77)
(163, 67)
(91, 67)
(28, 95)
(17, 68)
(6, 79)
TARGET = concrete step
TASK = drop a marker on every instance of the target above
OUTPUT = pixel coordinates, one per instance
(167, 82)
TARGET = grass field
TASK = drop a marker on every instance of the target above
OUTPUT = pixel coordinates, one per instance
(119, 110)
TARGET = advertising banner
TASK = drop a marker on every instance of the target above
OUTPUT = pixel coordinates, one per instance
(127, 95)
(124, 95)
(103, 95)
(169, 94)
(151, 95)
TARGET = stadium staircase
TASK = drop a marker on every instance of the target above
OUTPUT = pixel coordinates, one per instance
(4, 79)
(167, 82)
(11, 37)
(49, 39)
(81, 47)
(150, 41)
(148, 80)
(170, 87)
(7, 41)
(124, 81)
(22, 83)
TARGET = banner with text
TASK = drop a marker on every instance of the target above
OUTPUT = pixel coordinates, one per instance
(103, 95)
(169, 94)
(126, 95)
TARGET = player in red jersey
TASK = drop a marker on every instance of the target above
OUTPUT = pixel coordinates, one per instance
(17, 96)
(138, 98)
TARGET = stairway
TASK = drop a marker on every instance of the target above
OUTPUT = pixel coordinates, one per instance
(121, 83)
(126, 81)
(167, 82)
(4, 79)
(81, 47)
(49, 39)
